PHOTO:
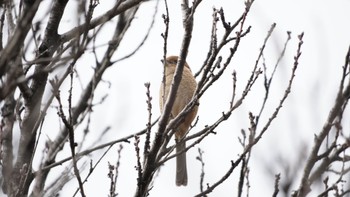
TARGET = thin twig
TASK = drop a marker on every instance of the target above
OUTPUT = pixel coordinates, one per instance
(277, 181)
(201, 160)
(149, 122)
(71, 143)
(108, 144)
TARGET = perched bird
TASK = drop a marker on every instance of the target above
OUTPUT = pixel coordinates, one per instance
(184, 95)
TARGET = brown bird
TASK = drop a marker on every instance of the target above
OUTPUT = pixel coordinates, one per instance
(184, 95)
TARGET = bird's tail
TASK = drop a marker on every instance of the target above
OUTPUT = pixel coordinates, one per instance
(181, 167)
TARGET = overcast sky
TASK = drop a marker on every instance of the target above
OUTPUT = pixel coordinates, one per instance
(326, 27)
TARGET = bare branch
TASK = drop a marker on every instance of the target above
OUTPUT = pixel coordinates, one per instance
(150, 167)
(341, 99)
(149, 123)
(200, 159)
(72, 143)
(6, 127)
(277, 181)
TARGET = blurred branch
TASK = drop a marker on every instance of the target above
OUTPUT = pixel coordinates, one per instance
(120, 7)
(277, 181)
(6, 149)
(337, 110)
(87, 95)
(12, 49)
(145, 37)
(93, 167)
(267, 81)
(32, 103)
(201, 160)
(222, 179)
(87, 152)
(72, 143)
(114, 177)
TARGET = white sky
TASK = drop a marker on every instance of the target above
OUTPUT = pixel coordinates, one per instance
(326, 27)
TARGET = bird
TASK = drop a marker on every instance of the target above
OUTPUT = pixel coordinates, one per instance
(184, 95)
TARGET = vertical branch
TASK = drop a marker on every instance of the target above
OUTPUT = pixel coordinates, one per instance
(165, 46)
(234, 82)
(32, 102)
(242, 140)
(150, 165)
(138, 162)
(149, 122)
(114, 177)
(6, 149)
(213, 43)
(12, 49)
(188, 26)
(277, 181)
(117, 166)
(110, 175)
(200, 159)
(70, 128)
(2, 19)
(71, 143)
(241, 177)
(244, 173)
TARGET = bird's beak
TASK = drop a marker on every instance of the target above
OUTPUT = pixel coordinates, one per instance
(162, 61)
